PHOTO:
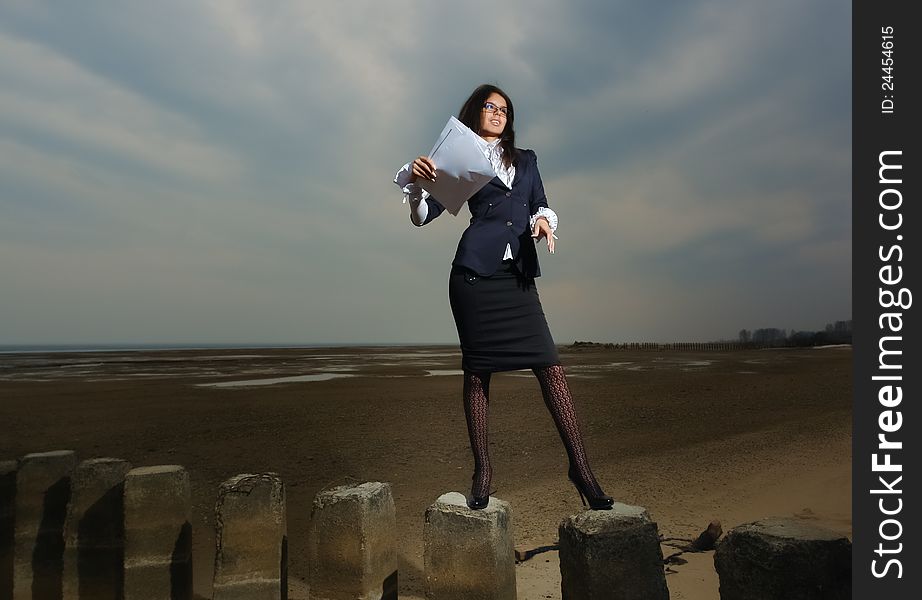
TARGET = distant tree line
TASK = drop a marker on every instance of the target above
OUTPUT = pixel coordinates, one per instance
(839, 332)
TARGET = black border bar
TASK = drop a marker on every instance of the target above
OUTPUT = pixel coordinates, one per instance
(886, 226)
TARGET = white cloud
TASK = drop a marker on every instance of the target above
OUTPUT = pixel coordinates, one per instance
(58, 100)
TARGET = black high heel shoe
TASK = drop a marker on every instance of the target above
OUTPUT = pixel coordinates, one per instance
(595, 502)
(478, 502)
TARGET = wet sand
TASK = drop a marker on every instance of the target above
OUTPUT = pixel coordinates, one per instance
(691, 436)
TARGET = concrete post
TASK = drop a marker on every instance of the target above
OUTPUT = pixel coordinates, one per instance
(42, 493)
(779, 558)
(94, 542)
(612, 554)
(158, 534)
(468, 554)
(251, 538)
(353, 544)
(8, 470)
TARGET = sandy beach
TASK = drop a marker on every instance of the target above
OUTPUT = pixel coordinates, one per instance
(691, 436)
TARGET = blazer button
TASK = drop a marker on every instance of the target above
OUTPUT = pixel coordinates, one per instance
(508, 194)
(508, 223)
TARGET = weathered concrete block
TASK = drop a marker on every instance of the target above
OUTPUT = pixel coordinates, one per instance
(612, 554)
(251, 539)
(158, 534)
(94, 541)
(8, 470)
(778, 558)
(468, 554)
(353, 544)
(43, 484)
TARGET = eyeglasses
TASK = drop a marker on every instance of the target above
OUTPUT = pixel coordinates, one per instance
(490, 107)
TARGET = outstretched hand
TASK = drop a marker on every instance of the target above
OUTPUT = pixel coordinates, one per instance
(543, 230)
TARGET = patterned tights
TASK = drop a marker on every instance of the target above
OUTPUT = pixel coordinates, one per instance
(476, 410)
(559, 403)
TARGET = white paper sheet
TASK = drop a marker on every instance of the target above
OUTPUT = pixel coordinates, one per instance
(461, 166)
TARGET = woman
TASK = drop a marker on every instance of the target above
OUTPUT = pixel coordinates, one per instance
(492, 291)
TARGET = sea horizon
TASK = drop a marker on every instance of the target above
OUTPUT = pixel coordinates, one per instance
(138, 347)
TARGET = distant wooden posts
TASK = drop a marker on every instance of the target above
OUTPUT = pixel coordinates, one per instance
(725, 346)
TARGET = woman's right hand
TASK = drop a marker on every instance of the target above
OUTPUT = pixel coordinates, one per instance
(423, 167)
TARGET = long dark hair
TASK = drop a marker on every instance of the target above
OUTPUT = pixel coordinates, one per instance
(470, 115)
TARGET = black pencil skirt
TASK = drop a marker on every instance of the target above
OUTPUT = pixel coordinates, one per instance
(500, 322)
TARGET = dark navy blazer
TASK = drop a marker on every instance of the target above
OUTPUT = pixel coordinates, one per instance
(500, 216)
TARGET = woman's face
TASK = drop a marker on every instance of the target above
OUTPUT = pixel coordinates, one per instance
(493, 121)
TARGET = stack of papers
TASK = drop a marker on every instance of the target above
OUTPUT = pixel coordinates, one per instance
(461, 166)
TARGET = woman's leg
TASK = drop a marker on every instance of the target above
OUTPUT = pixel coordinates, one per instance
(476, 410)
(557, 397)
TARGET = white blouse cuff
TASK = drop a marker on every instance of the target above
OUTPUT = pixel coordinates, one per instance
(548, 214)
(403, 176)
(411, 191)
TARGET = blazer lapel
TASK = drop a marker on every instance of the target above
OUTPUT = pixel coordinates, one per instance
(519, 172)
(497, 182)
(518, 175)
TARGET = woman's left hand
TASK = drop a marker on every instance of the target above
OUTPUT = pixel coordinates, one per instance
(543, 230)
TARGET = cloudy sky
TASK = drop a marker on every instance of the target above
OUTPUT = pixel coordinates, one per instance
(221, 171)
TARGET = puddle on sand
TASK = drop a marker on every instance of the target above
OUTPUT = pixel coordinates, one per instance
(274, 380)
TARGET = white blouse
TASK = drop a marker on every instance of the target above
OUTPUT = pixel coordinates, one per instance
(415, 195)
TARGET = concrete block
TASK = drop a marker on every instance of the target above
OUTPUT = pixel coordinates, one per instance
(8, 470)
(777, 558)
(43, 486)
(612, 554)
(158, 534)
(94, 541)
(353, 544)
(468, 554)
(251, 539)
